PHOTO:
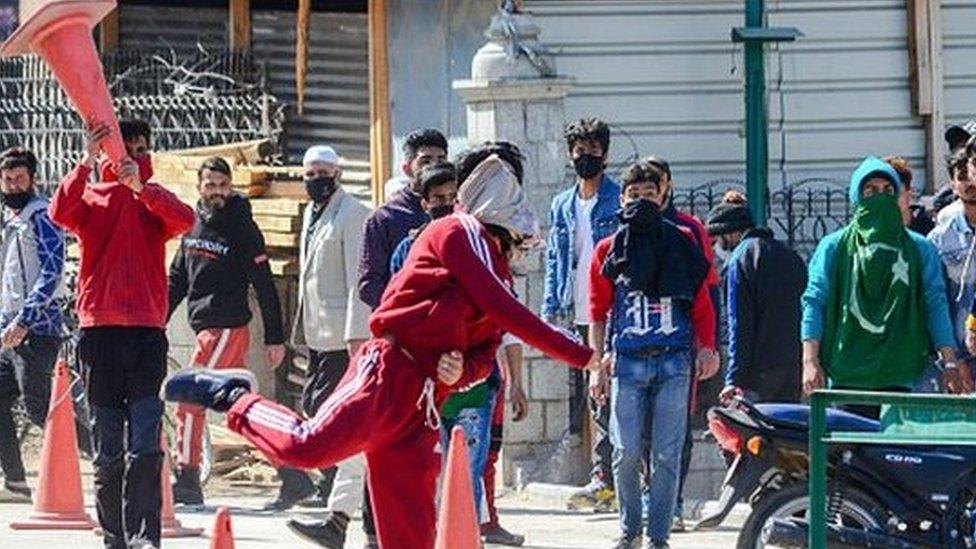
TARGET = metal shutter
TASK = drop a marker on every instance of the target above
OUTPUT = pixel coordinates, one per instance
(662, 73)
(337, 94)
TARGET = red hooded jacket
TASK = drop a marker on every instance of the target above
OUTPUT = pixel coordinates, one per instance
(454, 293)
(122, 280)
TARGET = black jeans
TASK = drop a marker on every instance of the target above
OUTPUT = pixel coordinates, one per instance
(124, 368)
(579, 401)
(25, 371)
(325, 370)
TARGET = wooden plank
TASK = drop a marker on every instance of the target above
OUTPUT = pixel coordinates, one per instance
(276, 206)
(277, 224)
(936, 148)
(380, 157)
(925, 71)
(287, 266)
(281, 240)
(240, 25)
(249, 152)
(302, 23)
(108, 32)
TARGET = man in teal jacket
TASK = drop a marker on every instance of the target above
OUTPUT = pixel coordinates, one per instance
(875, 303)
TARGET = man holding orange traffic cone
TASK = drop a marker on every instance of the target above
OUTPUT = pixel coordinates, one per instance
(123, 224)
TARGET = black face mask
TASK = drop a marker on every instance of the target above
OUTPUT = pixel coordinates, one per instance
(16, 201)
(587, 165)
(440, 211)
(320, 188)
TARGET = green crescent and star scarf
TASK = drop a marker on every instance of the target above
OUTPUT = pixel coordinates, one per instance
(876, 334)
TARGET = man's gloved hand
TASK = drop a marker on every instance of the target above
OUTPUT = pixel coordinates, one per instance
(214, 389)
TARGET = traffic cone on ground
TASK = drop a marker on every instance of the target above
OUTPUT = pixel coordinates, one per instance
(60, 32)
(457, 523)
(58, 502)
(171, 527)
(223, 536)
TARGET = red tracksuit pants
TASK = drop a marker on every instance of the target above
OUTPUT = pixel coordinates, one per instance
(384, 408)
(216, 348)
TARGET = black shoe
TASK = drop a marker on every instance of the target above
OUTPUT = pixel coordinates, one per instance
(329, 533)
(285, 502)
(214, 389)
(628, 541)
(314, 502)
(651, 544)
(186, 489)
(15, 492)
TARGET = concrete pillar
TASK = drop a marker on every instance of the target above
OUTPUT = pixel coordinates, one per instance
(520, 99)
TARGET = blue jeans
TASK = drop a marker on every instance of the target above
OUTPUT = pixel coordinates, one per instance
(657, 386)
(476, 423)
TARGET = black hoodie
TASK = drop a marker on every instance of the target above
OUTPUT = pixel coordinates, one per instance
(217, 260)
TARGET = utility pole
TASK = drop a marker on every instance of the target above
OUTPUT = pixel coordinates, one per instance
(755, 35)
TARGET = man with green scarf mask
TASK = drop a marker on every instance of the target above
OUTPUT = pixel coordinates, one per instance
(875, 303)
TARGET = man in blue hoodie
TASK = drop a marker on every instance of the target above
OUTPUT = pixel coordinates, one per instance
(875, 303)
(579, 217)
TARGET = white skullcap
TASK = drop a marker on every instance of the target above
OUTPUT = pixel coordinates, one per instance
(320, 153)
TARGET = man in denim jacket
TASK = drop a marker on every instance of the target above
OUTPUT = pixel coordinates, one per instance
(580, 217)
(954, 239)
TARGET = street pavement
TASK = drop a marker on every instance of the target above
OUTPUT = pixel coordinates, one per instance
(544, 521)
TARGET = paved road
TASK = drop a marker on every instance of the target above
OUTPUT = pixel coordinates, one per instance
(542, 521)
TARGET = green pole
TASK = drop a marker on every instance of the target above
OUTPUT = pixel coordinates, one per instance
(757, 148)
(818, 471)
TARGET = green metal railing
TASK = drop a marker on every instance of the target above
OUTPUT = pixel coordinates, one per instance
(820, 438)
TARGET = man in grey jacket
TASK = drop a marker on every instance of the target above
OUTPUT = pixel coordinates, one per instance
(331, 319)
(32, 255)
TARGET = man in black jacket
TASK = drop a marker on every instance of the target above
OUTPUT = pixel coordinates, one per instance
(216, 262)
(764, 280)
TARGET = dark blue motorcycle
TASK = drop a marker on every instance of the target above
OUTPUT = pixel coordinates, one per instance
(878, 495)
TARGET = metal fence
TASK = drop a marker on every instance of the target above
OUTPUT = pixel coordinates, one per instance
(800, 213)
(204, 99)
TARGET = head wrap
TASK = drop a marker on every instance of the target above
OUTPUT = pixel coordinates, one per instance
(493, 195)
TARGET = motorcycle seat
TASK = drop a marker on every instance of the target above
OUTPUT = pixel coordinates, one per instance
(797, 416)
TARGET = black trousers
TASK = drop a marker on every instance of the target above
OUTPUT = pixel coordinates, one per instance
(124, 368)
(579, 402)
(325, 370)
(25, 371)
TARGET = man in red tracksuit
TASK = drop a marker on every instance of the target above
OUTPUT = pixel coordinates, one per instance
(451, 300)
(123, 224)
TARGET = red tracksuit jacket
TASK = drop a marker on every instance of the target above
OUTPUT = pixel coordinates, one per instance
(454, 294)
(122, 280)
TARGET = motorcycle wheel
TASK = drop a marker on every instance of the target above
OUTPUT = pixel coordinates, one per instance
(858, 510)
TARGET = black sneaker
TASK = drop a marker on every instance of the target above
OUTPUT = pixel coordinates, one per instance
(329, 533)
(295, 487)
(651, 544)
(15, 492)
(186, 489)
(628, 541)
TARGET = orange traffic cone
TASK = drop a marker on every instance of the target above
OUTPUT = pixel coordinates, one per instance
(457, 523)
(171, 527)
(60, 32)
(58, 503)
(223, 536)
